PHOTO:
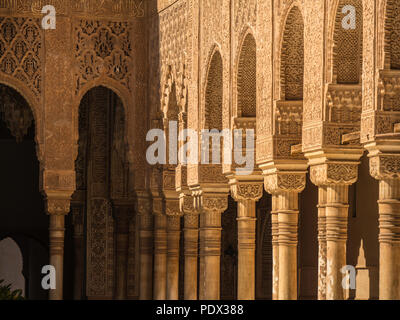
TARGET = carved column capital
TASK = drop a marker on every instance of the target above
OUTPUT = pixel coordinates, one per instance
(344, 173)
(58, 202)
(172, 208)
(187, 205)
(247, 191)
(385, 166)
(285, 182)
(214, 203)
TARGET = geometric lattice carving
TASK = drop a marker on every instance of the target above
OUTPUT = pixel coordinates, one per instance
(102, 49)
(214, 94)
(348, 46)
(393, 29)
(292, 57)
(247, 79)
(20, 44)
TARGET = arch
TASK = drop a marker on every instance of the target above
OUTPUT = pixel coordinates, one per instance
(214, 93)
(34, 106)
(11, 264)
(246, 81)
(347, 48)
(292, 56)
(392, 35)
(115, 87)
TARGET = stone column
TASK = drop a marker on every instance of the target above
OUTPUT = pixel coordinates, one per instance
(275, 250)
(145, 248)
(386, 168)
(58, 206)
(77, 210)
(122, 216)
(191, 243)
(210, 246)
(321, 243)
(246, 195)
(191, 234)
(285, 188)
(173, 238)
(336, 178)
(160, 257)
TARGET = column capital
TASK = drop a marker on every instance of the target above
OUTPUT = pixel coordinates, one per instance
(285, 182)
(385, 166)
(172, 208)
(58, 202)
(214, 203)
(187, 204)
(247, 191)
(334, 172)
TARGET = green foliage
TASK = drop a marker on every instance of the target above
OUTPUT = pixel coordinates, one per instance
(7, 294)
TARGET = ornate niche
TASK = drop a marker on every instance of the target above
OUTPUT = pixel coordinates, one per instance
(289, 109)
(20, 47)
(102, 179)
(344, 95)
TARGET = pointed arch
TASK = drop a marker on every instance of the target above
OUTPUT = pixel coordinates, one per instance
(292, 57)
(214, 93)
(247, 78)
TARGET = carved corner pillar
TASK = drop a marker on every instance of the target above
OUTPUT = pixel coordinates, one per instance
(143, 203)
(122, 213)
(173, 214)
(333, 179)
(212, 206)
(385, 167)
(57, 207)
(246, 194)
(285, 188)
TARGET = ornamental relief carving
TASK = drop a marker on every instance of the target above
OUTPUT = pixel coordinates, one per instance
(385, 167)
(95, 8)
(102, 49)
(334, 173)
(285, 182)
(214, 204)
(247, 191)
(20, 51)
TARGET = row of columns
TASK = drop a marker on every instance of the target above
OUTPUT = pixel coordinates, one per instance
(202, 236)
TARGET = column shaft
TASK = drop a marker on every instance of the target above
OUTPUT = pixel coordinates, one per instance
(56, 237)
(146, 256)
(275, 250)
(210, 255)
(287, 208)
(160, 257)
(173, 237)
(246, 249)
(336, 237)
(191, 234)
(389, 239)
(321, 243)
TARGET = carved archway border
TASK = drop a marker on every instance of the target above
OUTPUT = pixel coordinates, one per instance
(34, 105)
(278, 49)
(247, 30)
